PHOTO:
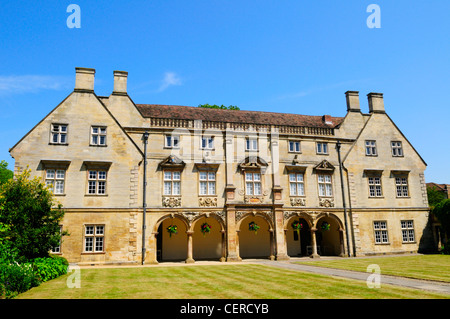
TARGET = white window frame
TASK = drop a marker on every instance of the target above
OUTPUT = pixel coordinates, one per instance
(325, 185)
(371, 148)
(381, 234)
(401, 186)
(55, 180)
(297, 184)
(172, 141)
(408, 233)
(172, 183)
(97, 181)
(253, 183)
(397, 148)
(322, 148)
(60, 131)
(375, 187)
(251, 144)
(94, 239)
(98, 135)
(207, 143)
(207, 183)
(294, 146)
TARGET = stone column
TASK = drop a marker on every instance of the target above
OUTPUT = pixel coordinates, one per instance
(151, 257)
(232, 236)
(190, 254)
(341, 239)
(224, 247)
(280, 236)
(314, 244)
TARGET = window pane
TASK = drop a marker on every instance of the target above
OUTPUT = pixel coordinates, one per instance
(319, 148)
(50, 173)
(329, 190)
(168, 141)
(89, 230)
(202, 176)
(202, 188)
(94, 139)
(92, 187)
(291, 146)
(94, 130)
(320, 178)
(59, 187)
(321, 190)
(211, 176)
(60, 174)
(256, 177)
(292, 178)
(327, 178)
(167, 188)
(175, 141)
(101, 175)
(176, 188)
(249, 188)
(248, 177)
(293, 189)
(176, 176)
(301, 190)
(325, 148)
(55, 138)
(89, 244)
(63, 138)
(99, 244)
(257, 188)
(102, 140)
(212, 188)
(102, 187)
(167, 176)
(299, 177)
(92, 174)
(99, 230)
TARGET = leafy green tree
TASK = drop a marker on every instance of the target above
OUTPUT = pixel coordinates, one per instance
(223, 107)
(29, 216)
(434, 196)
(5, 173)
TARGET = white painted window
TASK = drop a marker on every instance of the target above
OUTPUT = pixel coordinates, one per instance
(94, 238)
(58, 134)
(322, 148)
(251, 144)
(397, 149)
(407, 231)
(401, 184)
(172, 183)
(207, 183)
(207, 143)
(96, 182)
(375, 187)
(371, 148)
(381, 233)
(172, 141)
(294, 146)
(325, 185)
(98, 135)
(253, 184)
(54, 179)
(296, 184)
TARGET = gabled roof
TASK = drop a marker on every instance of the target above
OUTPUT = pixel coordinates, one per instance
(235, 116)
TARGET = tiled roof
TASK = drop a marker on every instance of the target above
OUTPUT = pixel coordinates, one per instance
(235, 116)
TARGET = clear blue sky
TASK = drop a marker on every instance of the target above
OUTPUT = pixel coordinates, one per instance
(284, 56)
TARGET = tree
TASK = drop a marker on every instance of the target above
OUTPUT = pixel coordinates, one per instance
(223, 107)
(30, 217)
(434, 196)
(5, 173)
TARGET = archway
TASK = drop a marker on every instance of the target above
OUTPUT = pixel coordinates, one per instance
(329, 236)
(171, 247)
(208, 245)
(255, 244)
(298, 243)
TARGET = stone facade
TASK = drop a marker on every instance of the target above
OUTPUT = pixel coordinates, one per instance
(224, 169)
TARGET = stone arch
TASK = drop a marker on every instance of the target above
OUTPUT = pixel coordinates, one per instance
(329, 242)
(171, 247)
(298, 243)
(251, 244)
(211, 246)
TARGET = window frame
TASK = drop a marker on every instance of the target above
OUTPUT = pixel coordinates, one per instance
(208, 181)
(402, 185)
(297, 183)
(371, 149)
(408, 229)
(253, 182)
(397, 148)
(98, 135)
(320, 149)
(94, 236)
(294, 149)
(54, 180)
(209, 143)
(375, 186)
(97, 180)
(251, 144)
(172, 139)
(172, 182)
(383, 240)
(325, 183)
(59, 134)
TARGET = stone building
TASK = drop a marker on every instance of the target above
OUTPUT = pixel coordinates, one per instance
(225, 171)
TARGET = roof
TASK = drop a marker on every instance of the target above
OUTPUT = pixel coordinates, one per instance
(236, 116)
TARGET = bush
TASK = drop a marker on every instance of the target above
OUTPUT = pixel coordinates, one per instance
(50, 268)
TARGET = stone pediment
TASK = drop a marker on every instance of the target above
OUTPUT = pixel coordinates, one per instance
(253, 162)
(172, 162)
(324, 166)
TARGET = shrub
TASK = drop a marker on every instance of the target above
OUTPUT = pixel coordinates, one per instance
(50, 268)
(17, 278)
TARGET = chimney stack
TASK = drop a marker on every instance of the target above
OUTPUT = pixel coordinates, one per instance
(84, 80)
(376, 103)
(352, 101)
(120, 83)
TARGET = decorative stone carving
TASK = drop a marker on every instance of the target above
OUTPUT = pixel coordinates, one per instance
(171, 201)
(190, 216)
(207, 201)
(326, 202)
(253, 199)
(298, 202)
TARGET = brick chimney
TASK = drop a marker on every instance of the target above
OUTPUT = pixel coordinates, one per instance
(376, 103)
(84, 80)
(352, 98)
(120, 83)
(327, 119)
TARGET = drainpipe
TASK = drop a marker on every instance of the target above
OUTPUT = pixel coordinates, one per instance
(338, 147)
(144, 200)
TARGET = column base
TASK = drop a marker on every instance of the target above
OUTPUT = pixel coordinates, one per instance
(314, 256)
(190, 261)
(283, 257)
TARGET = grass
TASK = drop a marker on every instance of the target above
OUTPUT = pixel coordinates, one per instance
(245, 281)
(428, 267)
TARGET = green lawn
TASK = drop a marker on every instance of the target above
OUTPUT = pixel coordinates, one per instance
(429, 267)
(248, 281)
